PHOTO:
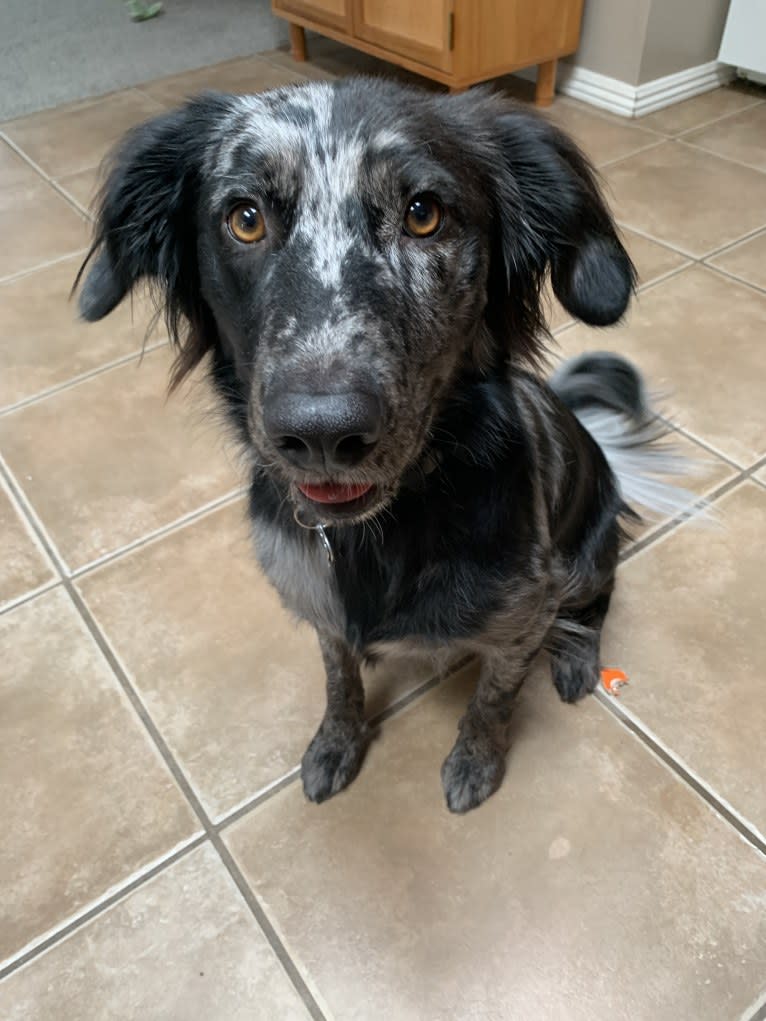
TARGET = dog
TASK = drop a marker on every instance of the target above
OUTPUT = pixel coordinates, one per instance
(363, 265)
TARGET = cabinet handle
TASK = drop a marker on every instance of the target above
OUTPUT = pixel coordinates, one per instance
(451, 31)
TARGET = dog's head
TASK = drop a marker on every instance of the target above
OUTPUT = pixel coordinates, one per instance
(347, 251)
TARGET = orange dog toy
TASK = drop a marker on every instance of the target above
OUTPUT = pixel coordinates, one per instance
(613, 680)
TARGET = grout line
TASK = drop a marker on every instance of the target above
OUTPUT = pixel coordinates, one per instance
(722, 249)
(755, 101)
(686, 515)
(624, 225)
(757, 1010)
(27, 597)
(82, 378)
(47, 177)
(20, 274)
(32, 519)
(707, 447)
(736, 279)
(662, 277)
(685, 773)
(30, 952)
(720, 156)
(674, 272)
(618, 159)
(267, 928)
(732, 244)
(149, 537)
(265, 794)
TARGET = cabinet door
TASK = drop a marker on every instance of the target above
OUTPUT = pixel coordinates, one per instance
(419, 29)
(336, 13)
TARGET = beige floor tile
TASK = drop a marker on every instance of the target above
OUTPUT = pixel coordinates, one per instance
(23, 563)
(15, 172)
(234, 683)
(183, 946)
(698, 594)
(593, 886)
(246, 75)
(700, 109)
(675, 193)
(82, 186)
(747, 260)
(86, 801)
(741, 138)
(708, 362)
(37, 225)
(600, 138)
(46, 344)
(111, 459)
(77, 136)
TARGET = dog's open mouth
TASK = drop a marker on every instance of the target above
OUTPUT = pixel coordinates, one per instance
(341, 499)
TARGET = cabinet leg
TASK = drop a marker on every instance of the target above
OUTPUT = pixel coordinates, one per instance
(297, 42)
(546, 83)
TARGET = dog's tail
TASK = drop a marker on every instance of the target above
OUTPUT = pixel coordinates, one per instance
(609, 397)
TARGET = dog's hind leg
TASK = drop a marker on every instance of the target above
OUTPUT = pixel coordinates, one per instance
(576, 648)
(335, 754)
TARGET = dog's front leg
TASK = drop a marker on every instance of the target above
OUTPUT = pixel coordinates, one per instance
(334, 756)
(475, 767)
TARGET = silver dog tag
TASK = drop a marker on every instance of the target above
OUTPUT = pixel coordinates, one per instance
(326, 544)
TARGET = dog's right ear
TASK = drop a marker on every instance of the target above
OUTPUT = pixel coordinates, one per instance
(140, 215)
(146, 223)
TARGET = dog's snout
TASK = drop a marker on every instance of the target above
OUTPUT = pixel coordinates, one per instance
(324, 432)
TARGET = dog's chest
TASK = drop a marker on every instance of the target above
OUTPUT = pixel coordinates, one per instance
(299, 569)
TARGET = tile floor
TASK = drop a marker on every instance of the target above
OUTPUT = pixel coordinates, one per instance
(158, 859)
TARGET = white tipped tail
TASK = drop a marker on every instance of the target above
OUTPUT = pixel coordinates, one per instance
(608, 395)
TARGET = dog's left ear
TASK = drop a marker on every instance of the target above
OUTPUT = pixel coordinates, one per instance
(552, 215)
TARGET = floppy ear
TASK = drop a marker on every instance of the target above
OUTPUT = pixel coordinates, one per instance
(146, 227)
(552, 216)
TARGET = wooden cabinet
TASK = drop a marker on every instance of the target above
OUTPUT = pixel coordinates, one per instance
(456, 42)
(420, 31)
(332, 13)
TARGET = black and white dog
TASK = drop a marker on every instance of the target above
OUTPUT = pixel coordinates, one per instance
(363, 264)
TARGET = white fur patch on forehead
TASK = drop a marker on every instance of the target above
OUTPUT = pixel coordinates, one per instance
(331, 178)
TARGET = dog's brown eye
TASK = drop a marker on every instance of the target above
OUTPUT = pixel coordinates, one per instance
(423, 216)
(246, 223)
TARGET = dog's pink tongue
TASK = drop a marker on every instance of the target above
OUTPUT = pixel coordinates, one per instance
(330, 493)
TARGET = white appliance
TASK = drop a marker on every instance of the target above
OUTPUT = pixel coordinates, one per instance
(744, 39)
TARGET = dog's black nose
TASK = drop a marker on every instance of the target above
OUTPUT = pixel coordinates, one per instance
(323, 431)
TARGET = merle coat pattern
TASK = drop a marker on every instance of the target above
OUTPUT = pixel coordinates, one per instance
(400, 367)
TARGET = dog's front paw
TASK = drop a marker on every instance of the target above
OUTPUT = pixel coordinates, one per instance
(470, 773)
(333, 758)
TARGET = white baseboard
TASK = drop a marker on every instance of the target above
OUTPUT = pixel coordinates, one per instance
(636, 100)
